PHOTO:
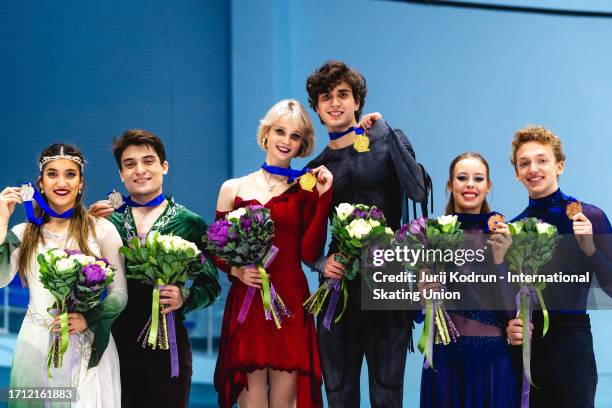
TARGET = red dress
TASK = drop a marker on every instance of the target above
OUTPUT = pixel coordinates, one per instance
(300, 227)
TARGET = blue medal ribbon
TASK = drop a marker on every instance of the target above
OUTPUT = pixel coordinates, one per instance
(127, 200)
(40, 200)
(285, 172)
(334, 136)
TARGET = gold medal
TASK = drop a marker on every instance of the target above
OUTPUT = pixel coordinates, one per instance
(362, 143)
(308, 181)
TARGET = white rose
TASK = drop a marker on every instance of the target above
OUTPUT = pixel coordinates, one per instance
(359, 228)
(59, 253)
(54, 253)
(374, 223)
(152, 238)
(389, 231)
(165, 242)
(236, 214)
(447, 219)
(518, 226)
(344, 210)
(65, 264)
(83, 259)
(543, 228)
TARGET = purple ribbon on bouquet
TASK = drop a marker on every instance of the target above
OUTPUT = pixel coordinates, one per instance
(174, 365)
(248, 297)
(331, 307)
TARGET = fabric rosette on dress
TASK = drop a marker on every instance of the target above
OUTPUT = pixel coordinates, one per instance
(353, 227)
(533, 245)
(244, 238)
(438, 236)
(160, 260)
(77, 282)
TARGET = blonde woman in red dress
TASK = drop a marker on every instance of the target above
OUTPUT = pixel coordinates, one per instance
(260, 365)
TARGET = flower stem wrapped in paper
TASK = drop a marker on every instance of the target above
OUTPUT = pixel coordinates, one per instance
(533, 245)
(352, 226)
(244, 238)
(157, 261)
(435, 237)
(77, 283)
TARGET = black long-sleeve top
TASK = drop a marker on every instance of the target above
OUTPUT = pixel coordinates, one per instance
(564, 298)
(377, 177)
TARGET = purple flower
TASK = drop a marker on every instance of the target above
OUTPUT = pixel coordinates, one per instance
(94, 273)
(72, 252)
(245, 223)
(259, 217)
(418, 226)
(218, 232)
(401, 233)
(376, 214)
(358, 213)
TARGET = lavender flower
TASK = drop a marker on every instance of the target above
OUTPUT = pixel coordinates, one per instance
(72, 252)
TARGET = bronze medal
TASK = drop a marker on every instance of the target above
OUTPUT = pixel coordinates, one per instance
(573, 208)
(493, 220)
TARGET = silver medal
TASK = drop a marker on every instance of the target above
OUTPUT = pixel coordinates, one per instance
(26, 192)
(116, 199)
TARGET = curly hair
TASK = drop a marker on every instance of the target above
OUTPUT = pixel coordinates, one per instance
(538, 134)
(328, 76)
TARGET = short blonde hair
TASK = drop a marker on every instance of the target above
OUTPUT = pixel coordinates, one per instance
(540, 135)
(295, 111)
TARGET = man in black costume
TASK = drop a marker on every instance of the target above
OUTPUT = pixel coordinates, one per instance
(373, 168)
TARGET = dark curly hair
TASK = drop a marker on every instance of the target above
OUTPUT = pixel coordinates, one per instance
(328, 76)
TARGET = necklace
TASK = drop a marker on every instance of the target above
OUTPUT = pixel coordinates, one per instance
(268, 186)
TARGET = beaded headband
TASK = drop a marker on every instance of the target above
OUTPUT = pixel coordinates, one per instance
(47, 159)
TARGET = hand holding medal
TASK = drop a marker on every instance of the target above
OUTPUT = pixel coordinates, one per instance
(104, 208)
(9, 197)
(583, 229)
(500, 239)
(321, 177)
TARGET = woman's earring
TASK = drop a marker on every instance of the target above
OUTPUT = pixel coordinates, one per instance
(42, 191)
(79, 191)
(264, 142)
